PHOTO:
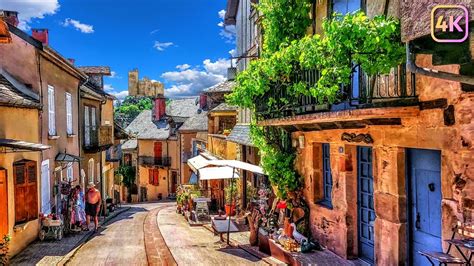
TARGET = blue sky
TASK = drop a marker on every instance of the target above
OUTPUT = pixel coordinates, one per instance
(179, 42)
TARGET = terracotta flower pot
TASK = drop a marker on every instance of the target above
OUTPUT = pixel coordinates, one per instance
(230, 209)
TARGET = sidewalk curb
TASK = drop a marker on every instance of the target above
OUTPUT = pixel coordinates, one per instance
(66, 259)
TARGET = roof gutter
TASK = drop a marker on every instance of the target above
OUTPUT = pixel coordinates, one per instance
(413, 68)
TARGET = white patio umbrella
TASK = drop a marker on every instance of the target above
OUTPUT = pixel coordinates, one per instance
(227, 170)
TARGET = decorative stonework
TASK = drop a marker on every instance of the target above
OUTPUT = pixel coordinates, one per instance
(352, 137)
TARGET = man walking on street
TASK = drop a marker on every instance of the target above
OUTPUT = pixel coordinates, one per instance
(93, 201)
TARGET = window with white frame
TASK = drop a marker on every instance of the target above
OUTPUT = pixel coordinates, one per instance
(69, 128)
(70, 173)
(51, 112)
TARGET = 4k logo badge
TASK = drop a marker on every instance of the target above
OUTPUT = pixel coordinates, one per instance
(453, 24)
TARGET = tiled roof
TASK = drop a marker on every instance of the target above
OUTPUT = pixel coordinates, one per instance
(185, 107)
(224, 107)
(104, 70)
(144, 127)
(130, 144)
(240, 134)
(13, 95)
(197, 122)
(225, 86)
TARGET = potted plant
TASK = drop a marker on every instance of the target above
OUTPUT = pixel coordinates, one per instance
(4, 243)
(230, 192)
(226, 132)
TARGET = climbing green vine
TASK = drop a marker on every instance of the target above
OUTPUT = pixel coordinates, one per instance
(350, 41)
(277, 160)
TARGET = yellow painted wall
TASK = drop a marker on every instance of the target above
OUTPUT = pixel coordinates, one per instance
(146, 148)
(10, 128)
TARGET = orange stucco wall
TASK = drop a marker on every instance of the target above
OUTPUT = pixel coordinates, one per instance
(10, 128)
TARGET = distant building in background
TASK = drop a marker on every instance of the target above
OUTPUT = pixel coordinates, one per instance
(144, 87)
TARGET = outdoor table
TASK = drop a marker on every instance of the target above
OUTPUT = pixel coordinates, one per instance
(222, 226)
(463, 243)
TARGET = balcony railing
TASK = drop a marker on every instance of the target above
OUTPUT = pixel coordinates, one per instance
(97, 138)
(151, 161)
(218, 145)
(363, 92)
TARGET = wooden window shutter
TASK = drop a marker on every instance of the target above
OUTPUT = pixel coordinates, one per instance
(68, 113)
(20, 193)
(51, 111)
(87, 139)
(32, 192)
(158, 149)
(156, 177)
(26, 192)
(150, 176)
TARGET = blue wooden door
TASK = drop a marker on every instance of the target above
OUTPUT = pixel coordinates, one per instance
(425, 202)
(365, 202)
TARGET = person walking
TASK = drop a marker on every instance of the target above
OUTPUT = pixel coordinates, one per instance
(93, 202)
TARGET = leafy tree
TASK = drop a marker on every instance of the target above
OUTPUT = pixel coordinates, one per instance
(130, 108)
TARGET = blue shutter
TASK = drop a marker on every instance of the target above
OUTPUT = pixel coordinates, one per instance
(327, 176)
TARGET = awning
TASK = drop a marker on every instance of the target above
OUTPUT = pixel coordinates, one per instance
(197, 163)
(193, 180)
(68, 158)
(220, 172)
(19, 145)
(238, 165)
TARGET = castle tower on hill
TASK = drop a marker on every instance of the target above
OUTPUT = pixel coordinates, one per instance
(144, 87)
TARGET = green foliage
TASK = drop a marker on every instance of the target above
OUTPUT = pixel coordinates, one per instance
(283, 21)
(230, 192)
(349, 41)
(4, 243)
(128, 173)
(130, 108)
(276, 160)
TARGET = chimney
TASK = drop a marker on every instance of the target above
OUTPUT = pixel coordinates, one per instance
(159, 108)
(41, 35)
(202, 101)
(10, 17)
(71, 60)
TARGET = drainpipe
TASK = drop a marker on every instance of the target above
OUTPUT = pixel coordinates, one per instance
(413, 68)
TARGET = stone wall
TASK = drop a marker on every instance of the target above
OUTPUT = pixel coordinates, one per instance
(448, 128)
(143, 87)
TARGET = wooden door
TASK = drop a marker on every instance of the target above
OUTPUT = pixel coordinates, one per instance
(174, 181)
(26, 194)
(365, 202)
(425, 203)
(3, 202)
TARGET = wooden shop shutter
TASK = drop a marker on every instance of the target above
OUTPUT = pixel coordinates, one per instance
(153, 177)
(26, 194)
(158, 149)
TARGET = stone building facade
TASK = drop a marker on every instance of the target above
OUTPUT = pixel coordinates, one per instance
(143, 87)
(387, 178)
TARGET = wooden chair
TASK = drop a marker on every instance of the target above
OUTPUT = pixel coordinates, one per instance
(466, 235)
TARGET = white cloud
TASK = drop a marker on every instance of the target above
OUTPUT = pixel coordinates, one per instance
(154, 31)
(218, 67)
(113, 75)
(30, 9)
(233, 52)
(108, 87)
(221, 14)
(183, 66)
(120, 95)
(227, 32)
(161, 46)
(192, 81)
(84, 28)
